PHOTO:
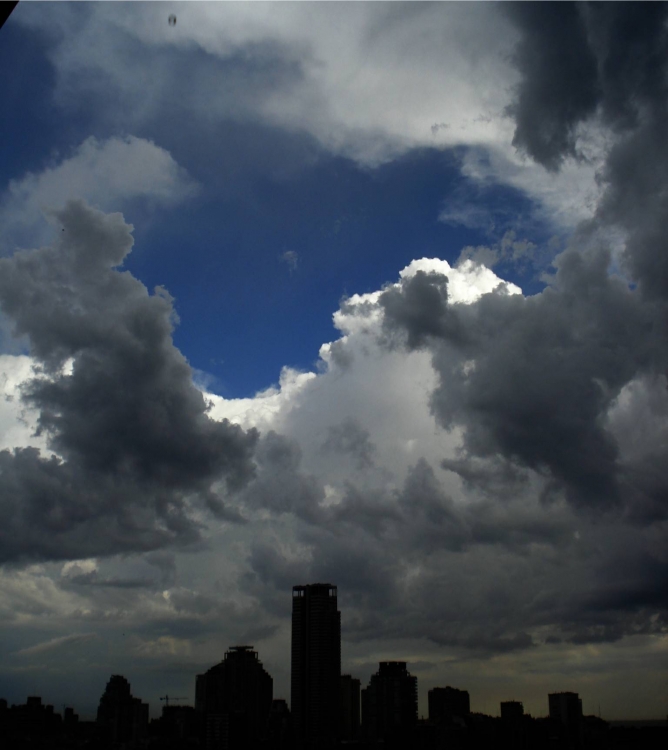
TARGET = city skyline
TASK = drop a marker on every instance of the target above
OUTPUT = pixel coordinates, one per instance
(316, 650)
(372, 293)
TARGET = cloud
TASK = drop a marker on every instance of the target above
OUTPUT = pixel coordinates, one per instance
(304, 77)
(530, 469)
(348, 437)
(612, 72)
(559, 86)
(541, 372)
(56, 644)
(131, 437)
(302, 70)
(480, 471)
(509, 251)
(291, 259)
(439, 551)
(105, 173)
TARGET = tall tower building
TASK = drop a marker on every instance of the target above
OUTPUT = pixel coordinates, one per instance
(316, 664)
(389, 703)
(349, 700)
(233, 700)
(122, 717)
(566, 709)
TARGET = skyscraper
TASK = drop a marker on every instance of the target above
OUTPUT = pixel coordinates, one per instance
(349, 723)
(122, 717)
(233, 700)
(316, 664)
(566, 709)
(389, 703)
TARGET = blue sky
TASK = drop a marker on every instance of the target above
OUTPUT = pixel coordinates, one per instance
(413, 254)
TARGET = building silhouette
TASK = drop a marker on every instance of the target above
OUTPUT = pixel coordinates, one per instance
(349, 705)
(512, 710)
(448, 702)
(389, 703)
(316, 664)
(233, 701)
(280, 726)
(514, 725)
(121, 718)
(566, 711)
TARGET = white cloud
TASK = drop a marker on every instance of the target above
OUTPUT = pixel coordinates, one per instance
(385, 392)
(263, 410)
(108, 174)
(367, 80)
(17, 421)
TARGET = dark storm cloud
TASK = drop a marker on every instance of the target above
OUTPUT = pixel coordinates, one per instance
(576, 59)
(551, 390)
(542, 371)
(420, 309)
(389, 551)
(115, 401)
(608, 60)
(559, 85)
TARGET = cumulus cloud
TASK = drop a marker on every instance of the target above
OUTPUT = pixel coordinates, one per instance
(480, 471)
(106, 173)
(504, 503)
(130, 434)
(530, 379)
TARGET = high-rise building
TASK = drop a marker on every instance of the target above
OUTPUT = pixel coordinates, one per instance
(233, 700)
(349, 702)
(122, 717)
(316, 664)
(389, 703)
(566, 710)
(512, 710)
(448, 702)
(280, 725)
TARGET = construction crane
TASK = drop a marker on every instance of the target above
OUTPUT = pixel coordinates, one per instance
(173, 697)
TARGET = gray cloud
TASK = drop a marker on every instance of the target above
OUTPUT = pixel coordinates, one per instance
(559, 87)
(351, 439)
(509, 250)
(115, 401)
(55, 643)
(420, 309)
(607, 61)
(530, 379)
(549, 391)
(281, 486)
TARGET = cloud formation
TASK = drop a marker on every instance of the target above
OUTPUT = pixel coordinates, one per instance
(615, 63)
(302, 80)
(108, 174)
(130, 434)
(481, 471)
(55, 643)
(533, 470)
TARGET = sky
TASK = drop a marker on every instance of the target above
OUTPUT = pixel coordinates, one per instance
(373, 294)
